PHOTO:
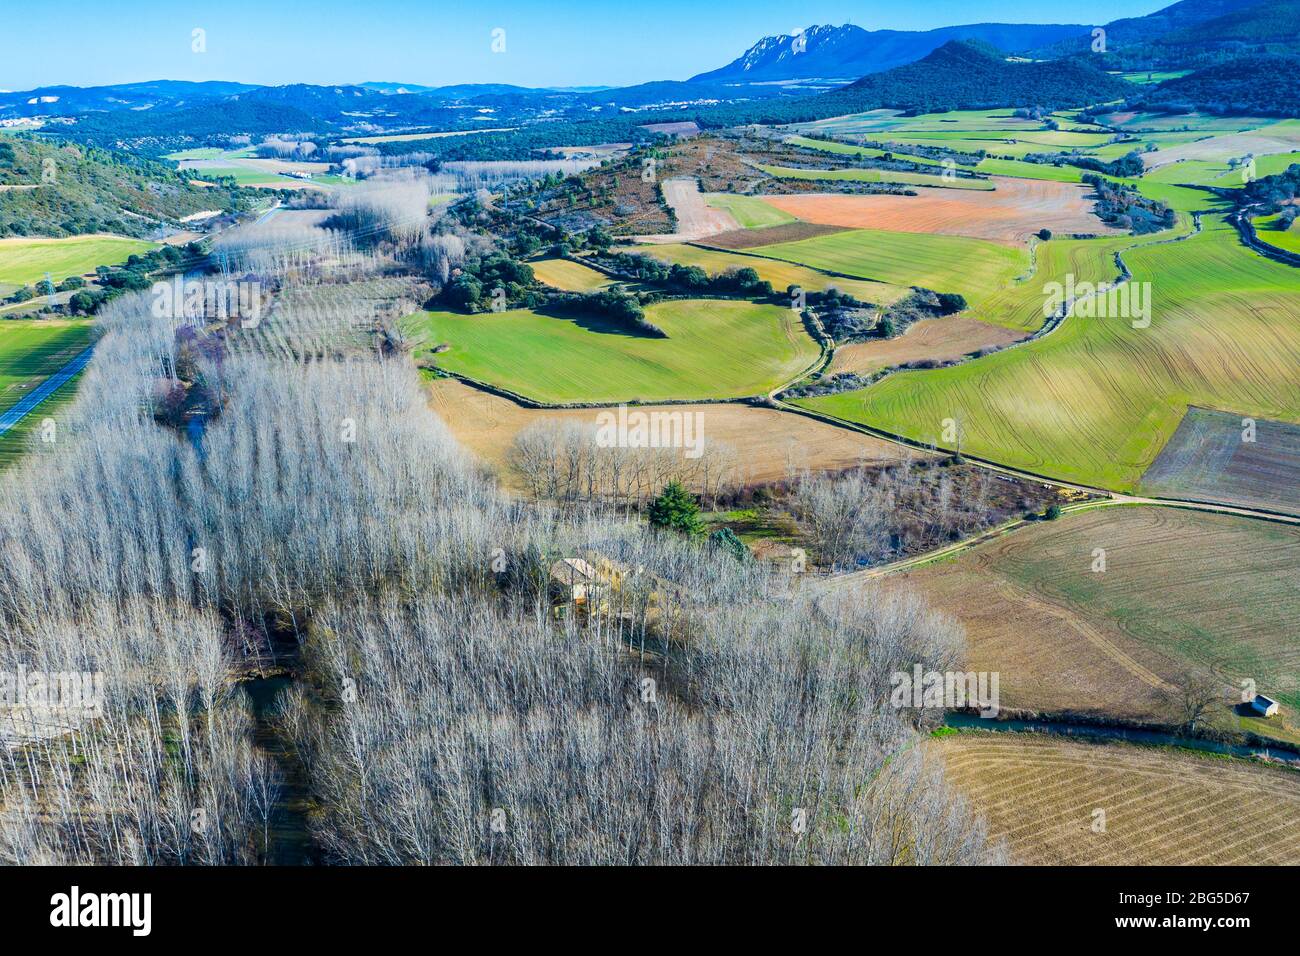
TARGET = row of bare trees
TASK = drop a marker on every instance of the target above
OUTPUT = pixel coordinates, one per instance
(560, 460)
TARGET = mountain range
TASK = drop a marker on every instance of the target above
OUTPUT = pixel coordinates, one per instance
(777, 70)
(849, 52)
(961, 74)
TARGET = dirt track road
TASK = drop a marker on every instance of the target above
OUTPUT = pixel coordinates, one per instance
(695, 219)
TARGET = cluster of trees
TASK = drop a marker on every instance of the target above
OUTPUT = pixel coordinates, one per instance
(391, 209)
(1271, 192)
(1128, 165)
(283, 147)
(1260, 84)
(916, 305)
(158, 132)
(527, 142)
(493, 281)
(687, 278)
(1043, 116)
(867, 517)
(1126, 208)
(563, 461)
(622, 308)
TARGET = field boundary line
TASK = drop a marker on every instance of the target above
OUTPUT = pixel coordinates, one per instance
(1119, 497)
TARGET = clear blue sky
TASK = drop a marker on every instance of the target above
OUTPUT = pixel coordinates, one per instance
(432, 42)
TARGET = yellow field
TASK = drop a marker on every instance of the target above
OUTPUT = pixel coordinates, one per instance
(569, 275)
(1161, 806)
(769, 445)
(940, 340)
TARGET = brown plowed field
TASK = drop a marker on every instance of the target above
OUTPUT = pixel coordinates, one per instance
(1010, 213)
(769, 443)
(1207, 459)
(1162, 807)
(1179, 591)
(941, 340)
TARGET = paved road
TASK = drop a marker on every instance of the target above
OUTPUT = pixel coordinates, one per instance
(29, 402)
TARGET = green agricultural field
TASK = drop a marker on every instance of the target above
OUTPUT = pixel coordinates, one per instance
(1180, 591)
(1178, 198)
(1204, 123)
(877, 176)
(715, 348)
(848, 149)
(964, 121)
(976, 268)
(870, 122)
(1202, 172)
(750, 211)
(242, 175)
(1275, 163)
(1194, 172)
(1287, 239)
(1152, 77)
(15, 442)
(1024, 170)
(1096, 400)
(569, 275)
(32, 349)
(25, 261)
(202, 152)
(781, 274)
(1023, 305)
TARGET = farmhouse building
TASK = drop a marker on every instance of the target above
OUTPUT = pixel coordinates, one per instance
(575, 578)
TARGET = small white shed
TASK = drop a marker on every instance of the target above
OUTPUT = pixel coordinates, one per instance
(1264, 706)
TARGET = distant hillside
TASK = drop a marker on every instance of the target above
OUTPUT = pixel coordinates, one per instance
(1263, 85)
(66, 190)
(849, 51)
(343, 105)
(154, 131)
(153, 94)
(959, 75)
(1192, 34)
(1272, 23)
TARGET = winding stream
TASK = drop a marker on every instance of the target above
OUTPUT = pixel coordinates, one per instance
(963, 721)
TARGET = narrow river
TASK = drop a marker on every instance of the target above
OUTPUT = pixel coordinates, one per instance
(1125, 734)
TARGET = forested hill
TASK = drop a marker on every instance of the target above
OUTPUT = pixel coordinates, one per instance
(58, 189)
(1194, 34)
(961, 74)
(148, 128)
(1264, 85)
